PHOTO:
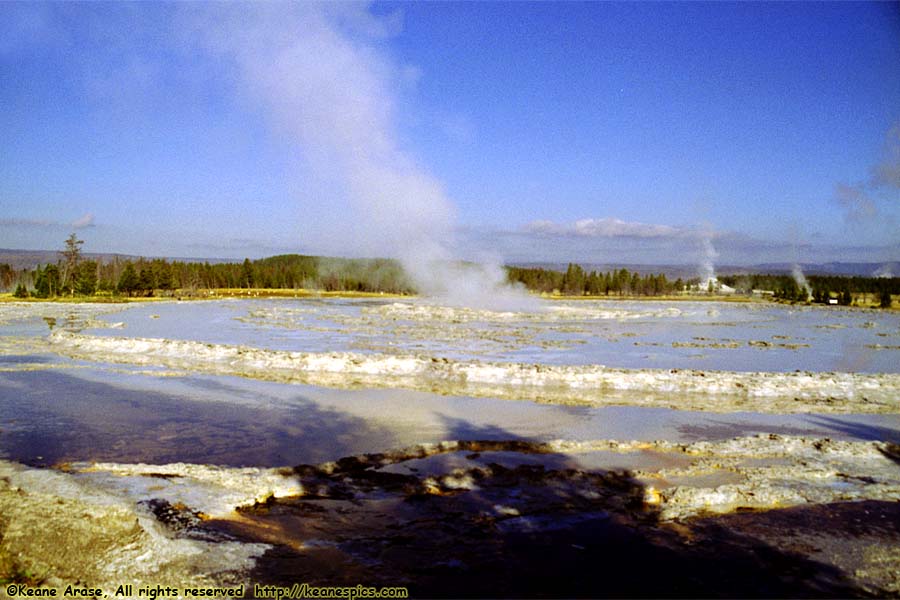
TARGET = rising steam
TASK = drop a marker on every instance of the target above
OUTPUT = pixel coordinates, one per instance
(801, 280)
(796, 271)
(707, 265)
(321, 73)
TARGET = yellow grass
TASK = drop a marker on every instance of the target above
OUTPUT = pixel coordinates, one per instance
(661, 297)
(859, 300)
(205, 294)
(282, 293)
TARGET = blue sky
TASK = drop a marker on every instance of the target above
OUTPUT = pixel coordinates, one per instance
(596, 132)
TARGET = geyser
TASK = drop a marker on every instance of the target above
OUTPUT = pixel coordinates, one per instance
(322, 75)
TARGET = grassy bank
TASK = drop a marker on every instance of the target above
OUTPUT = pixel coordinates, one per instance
(185, 295)
(660, 298)
(869, 301)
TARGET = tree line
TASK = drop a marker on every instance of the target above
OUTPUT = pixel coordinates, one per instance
(148, 277)
(822, 288)
(162, 277)
(576, 281)
(73, 275)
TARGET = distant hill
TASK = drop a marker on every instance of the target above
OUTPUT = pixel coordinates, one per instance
(29, 259)
(888, 269)
(670, 271)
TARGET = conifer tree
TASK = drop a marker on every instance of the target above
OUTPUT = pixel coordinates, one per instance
(128, 282)
(71, 258)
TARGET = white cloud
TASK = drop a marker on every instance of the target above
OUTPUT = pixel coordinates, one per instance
(547, 241)
(606, 227)
(861, 201)
(86, 220)
(27, 223)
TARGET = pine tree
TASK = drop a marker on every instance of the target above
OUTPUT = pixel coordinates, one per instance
(7, 275)
(71, 256)
(128, 282)
(146, 280)
(846, 298)
(247, 279)
(594, 283)
(164, 279)
(46, 282)
(86, 278)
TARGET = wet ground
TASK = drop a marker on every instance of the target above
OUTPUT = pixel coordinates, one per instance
(622, 334)
(467, 519)
(460, 453)
(55, 415)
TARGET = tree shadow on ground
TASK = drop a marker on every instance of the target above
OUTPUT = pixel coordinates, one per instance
(716, 429)
(16, 359)
(890, 436)
(861, 431)
(50, 417)
(498, 516)
(491, 515)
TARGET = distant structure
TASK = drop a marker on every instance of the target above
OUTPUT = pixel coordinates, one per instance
(713, 284)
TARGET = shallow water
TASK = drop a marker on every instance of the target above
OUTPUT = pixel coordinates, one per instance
(53, 416)
(55, 409)
(47, 392)
(701, 335)
(203, 404)
(142, 408)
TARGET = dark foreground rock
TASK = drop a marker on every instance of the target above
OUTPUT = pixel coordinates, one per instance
(501, 527)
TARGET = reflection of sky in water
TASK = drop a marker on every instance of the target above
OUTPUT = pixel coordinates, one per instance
(54, 416)
(54, 409)
(719, 336)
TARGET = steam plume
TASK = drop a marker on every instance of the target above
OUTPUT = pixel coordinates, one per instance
(319, 70)
(707, 263)
(885, 270)
(801, 280)
(859, 200)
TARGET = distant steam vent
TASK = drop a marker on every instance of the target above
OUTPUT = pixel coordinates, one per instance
(712, 285)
